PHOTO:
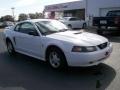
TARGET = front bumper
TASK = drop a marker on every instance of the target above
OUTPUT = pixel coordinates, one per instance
(88, 59)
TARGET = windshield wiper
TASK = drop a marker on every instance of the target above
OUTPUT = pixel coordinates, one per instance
(49, 32)
(63, 30)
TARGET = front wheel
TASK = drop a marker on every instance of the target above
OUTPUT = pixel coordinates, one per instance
(56, 59)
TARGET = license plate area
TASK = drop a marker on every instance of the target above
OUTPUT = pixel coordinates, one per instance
(103, 27)
(103, 22)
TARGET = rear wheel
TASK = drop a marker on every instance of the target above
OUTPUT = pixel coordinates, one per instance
(56, 58)
(10, 48)
(84, 26)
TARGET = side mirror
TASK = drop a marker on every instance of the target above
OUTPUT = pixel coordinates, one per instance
(33, 33)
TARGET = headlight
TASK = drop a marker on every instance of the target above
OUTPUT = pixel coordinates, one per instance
(84, 49)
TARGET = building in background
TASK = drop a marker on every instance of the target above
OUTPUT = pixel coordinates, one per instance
(76, 8)
(84, 9)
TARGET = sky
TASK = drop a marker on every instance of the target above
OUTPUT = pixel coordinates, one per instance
(26, 6)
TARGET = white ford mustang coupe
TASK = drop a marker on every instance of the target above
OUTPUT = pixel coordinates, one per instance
(51, 41)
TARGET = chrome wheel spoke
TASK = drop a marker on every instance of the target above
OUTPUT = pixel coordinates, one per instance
(54, 60)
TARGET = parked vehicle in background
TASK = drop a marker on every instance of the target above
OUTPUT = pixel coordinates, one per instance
(6, 24)
(51, 41)
(109, 23)
(1, 25)
(73, 22)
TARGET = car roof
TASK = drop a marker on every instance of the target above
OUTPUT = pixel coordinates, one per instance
(69, 17)
(35, 20)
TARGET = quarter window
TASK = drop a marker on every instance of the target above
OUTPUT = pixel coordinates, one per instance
(17, 28)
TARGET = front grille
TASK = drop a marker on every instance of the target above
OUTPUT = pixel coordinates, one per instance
(102, 46)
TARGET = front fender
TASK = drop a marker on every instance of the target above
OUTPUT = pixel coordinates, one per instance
(64, 46)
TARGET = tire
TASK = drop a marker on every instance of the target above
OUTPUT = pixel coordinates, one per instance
(70, 26)
(56, 59)
(84, 26)
(10, 48)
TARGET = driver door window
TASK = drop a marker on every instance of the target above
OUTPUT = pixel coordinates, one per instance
(26, 28)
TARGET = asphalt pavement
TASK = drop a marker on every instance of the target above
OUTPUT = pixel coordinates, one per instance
(25, 73)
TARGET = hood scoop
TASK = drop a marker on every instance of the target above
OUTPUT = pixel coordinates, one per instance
(78, 33)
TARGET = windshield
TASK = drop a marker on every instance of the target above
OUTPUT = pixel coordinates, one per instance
(113, 13)
(52, 26)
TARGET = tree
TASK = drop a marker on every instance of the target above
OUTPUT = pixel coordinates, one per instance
(7, 18)
(39, 15)
(35, 16)
(32, 16)
(22, 17)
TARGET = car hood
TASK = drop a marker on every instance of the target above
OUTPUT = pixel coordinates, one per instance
(79, 38)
